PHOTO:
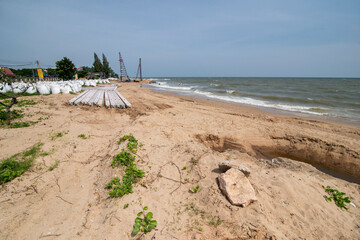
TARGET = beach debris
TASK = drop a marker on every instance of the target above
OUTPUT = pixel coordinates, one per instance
(237, 187)
(226, 165)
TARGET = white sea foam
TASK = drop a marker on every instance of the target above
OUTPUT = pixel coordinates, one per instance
(166, 86)
(157, 79)
(241, 100)
(230, 91)
(208, 94)
(260, 103)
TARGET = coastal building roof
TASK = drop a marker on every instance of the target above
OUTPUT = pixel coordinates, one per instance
(7, 71)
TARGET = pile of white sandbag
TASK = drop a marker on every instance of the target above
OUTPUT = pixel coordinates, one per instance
(50, 87)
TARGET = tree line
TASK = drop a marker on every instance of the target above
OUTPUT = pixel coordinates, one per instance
(65, 69)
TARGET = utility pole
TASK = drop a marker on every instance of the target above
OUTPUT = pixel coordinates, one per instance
(139, 70)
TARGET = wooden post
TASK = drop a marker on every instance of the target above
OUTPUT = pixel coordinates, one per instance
(140, 69)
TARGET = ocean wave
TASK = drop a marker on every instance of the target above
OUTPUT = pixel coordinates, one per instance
(320, 109)
(157, 79)
(261, 103)
(246, 100)
(164, 85)
(285, 98)
(230, 91)
(208, 94)
(295, 108)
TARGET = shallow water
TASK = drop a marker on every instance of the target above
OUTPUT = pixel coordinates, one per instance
(328, 97)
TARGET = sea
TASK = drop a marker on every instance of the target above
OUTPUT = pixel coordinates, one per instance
(335, 99)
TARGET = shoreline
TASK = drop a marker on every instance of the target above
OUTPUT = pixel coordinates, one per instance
(269, 110)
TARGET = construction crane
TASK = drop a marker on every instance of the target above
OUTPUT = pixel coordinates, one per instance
(123, 74)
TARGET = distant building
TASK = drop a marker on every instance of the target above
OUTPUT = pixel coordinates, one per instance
(7, 71)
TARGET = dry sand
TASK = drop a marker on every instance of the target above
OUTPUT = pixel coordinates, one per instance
(71, 202)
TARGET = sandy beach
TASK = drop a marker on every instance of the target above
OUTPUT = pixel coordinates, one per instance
(71, 202)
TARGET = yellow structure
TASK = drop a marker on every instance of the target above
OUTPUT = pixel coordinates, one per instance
(40, 73)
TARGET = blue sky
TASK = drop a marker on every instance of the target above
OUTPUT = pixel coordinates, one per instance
(188, 38)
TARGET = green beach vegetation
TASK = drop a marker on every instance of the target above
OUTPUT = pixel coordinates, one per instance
(339, 197)
(18, 164)
(144, 222)
(119, 187)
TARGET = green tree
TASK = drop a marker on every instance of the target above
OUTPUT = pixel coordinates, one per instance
(51, 72)
(98, 67)
(113, 74)
(65, 68)
(82, 73)
(24, 72)
(88, 69)
(106, 68)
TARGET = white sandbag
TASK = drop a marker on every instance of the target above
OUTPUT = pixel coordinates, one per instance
(65, 89)
(55, 89)
(8, 88)
(93, 83)
(87, 83)
(19, 87)
(76, 87)
(17, 90)
(43, 89)
(31, 90)
(79, 87)
(2, 88)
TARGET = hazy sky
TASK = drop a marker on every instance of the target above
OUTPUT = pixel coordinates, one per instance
(188, 38)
